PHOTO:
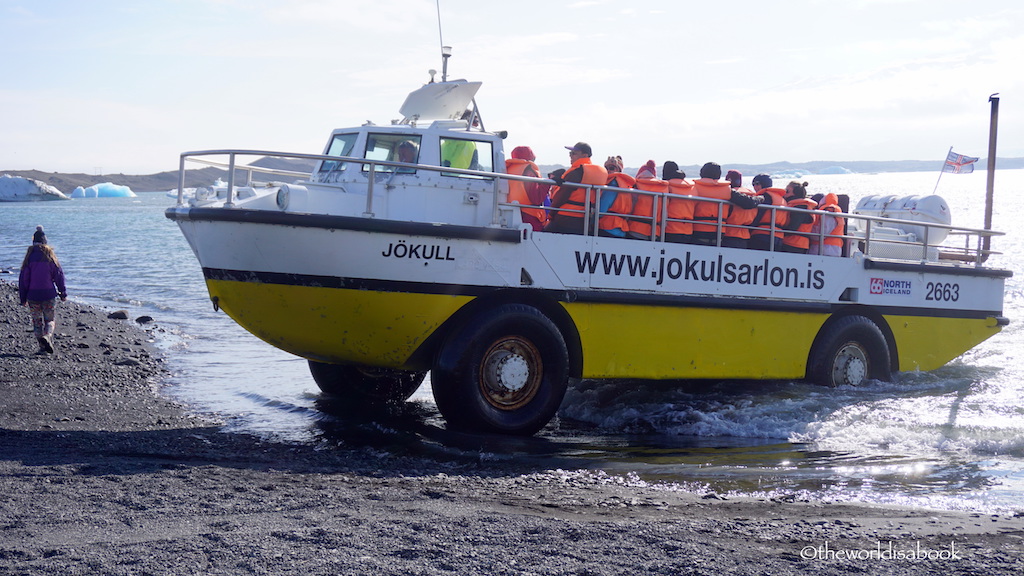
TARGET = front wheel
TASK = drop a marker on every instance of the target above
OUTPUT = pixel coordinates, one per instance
(506, 371)
(365, 385)
(849, 352)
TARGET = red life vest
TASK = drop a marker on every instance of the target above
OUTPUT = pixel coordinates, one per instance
(647, 207)
(592, 174)
(623, 203)
(706, 213)
(801, 236)
(763, 221)
(678, 208)
(517, 188)
(740, 217)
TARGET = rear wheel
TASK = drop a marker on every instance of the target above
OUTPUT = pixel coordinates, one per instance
(364, 384)
(850, 351)
(505, 371)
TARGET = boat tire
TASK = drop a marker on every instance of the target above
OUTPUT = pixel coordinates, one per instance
(365, 385)
(851, 351)
(505, 371)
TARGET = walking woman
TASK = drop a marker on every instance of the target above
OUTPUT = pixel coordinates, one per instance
(41, 281)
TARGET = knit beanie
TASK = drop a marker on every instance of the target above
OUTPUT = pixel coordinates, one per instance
(523, 153)
(39, 237)
(648, 170)
(613, 164)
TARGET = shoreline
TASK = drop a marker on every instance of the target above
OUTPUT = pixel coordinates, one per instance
(101, 474)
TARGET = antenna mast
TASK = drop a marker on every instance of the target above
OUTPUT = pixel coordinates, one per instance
(446, 51)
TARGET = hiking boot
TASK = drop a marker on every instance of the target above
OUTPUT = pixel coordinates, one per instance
(42, 346)
(47, 344)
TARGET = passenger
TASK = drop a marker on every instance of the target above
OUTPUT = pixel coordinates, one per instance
(709, 215)
(646, 221)
(743, 205)
(527, 193)
(761, 237)
(798, 239)
(670, 171)
(679, 224)
(613, 204)
(834, 227)
(573, 199)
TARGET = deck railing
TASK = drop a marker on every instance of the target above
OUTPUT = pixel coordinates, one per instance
(971, 250)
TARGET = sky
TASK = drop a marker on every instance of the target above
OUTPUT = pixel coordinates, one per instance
(111, 86)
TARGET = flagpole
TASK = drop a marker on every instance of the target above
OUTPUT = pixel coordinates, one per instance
(990, 182)
(941, 170)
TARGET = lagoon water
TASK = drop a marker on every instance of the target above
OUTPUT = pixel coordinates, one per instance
(949, 439)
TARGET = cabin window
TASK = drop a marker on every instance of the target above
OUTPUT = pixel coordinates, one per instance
(393, 148)
(341, 145)
(467, 155)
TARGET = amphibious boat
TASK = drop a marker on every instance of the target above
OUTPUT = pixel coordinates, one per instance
(377, 270)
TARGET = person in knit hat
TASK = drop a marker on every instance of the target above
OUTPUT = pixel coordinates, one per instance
(735, 178)
(648, 170)
(613, 164)
(532, 194)
(40, 283)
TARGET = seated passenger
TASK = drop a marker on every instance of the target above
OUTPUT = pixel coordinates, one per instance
(743, 205)
(834, 227)
(761, 237)
(569, 203)
(407, 152)
(646, 220)
(614, 203)
(709, 215)
(797, 239)
(670, 171)
(679, 224)
(527, 193)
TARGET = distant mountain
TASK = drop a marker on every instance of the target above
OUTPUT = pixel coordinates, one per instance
(206, 176)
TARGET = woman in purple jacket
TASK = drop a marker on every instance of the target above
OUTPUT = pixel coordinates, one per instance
(39, 284)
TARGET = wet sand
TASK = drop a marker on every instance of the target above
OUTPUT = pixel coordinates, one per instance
(100, 474)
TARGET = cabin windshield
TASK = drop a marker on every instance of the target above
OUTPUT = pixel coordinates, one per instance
(467, 155)
(341, 145)
(393, 148)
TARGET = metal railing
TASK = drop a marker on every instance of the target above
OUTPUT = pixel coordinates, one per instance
(971, 251)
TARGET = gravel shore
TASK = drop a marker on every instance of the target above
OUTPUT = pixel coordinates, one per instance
(100, 474)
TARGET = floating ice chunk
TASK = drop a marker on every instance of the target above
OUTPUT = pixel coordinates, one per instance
(103, 190)
(18, 189)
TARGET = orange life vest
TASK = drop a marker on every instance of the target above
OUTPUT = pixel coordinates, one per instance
(800, 237)
(647, 206)
(678, 208)
(740, 217)
(763, 221)
(707, 212)
(830, 203)
(517, 188)
(623, 203)
(592, 174)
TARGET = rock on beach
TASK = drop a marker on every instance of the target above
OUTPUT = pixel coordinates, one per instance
(101, 474)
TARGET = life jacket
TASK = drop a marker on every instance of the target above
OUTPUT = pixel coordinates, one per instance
(801, 236)
(622, 204)
(830, 203)
(457, 153)
(592, 174)
(763, 221)
(740, 217)
(647, 206)
(517, 188)
(706, 213)
(680, 209)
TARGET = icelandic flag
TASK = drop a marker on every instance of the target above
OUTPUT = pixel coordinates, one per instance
(958, 163)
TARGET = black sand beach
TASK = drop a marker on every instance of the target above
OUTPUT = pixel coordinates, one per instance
(100, 474)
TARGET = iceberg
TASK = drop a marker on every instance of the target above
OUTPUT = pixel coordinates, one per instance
(103, 190)
(18, 189)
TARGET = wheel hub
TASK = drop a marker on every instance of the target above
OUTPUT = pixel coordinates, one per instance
(851, 366)
(510, 373)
